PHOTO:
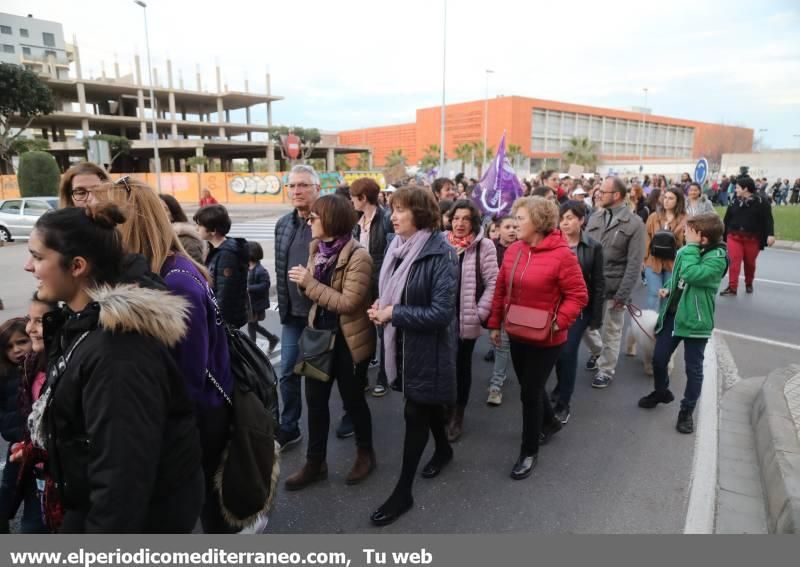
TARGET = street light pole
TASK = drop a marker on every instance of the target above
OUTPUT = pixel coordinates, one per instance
(152, 96)
(644, 134)
(444, 67)
(486, 118)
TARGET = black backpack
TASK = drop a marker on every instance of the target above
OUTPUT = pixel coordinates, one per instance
(664, 245)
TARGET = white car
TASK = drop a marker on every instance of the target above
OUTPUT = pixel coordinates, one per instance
(17, 216)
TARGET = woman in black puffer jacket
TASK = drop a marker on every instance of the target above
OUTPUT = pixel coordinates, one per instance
(417, 308)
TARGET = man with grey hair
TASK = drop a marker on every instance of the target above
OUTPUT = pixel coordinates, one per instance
(292, 240)
(622, 234)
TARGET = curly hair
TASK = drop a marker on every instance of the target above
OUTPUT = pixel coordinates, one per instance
(543, 212)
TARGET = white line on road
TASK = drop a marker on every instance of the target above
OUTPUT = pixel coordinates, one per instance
(775, 282)
(703, 491)
(758, 339)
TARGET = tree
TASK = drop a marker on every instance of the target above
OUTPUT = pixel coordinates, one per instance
(198, 163)
(363, 162)
(341, 162)
(23, 96)
(38, 174)
(430, 158)
(478, 156)
(23, 145)
(309, 138)
(514, 154)
(581, 151)
(464, 153)
(118, 145)
(396, 157)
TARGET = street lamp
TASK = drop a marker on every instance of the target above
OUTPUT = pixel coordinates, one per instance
(486, 117)
(444, 65)
(152, 96)
(644, 135)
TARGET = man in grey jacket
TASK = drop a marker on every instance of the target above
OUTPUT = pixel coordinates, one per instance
(622, 235)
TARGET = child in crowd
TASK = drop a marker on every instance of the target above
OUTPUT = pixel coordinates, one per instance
(14, 488)
(258, 285)
(687, 313)
(506, 236)
(227, 263)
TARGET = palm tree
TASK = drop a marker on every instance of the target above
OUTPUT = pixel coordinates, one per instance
(514, 154)
(464, 153)
(581, 151)
(341, 162)
(396, 157)
(363, 162)
(430, 159)
(478, 156)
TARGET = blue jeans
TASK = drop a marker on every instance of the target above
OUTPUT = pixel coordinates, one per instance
(567, 363)
(693, 354)
(655, 281)
(501, 357)
(289, 383)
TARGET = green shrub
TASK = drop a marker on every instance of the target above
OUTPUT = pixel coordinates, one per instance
(38, 175)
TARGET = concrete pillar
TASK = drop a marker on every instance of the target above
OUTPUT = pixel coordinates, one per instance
(250, 167)
(169, 73)
(155, 77)
(199, 153)
(173, 116)
(219, 80)
(199, 80)
(81, 98)
(331, 160)
(271, 155)
(247, 118)
(78, 72)
(85, 127)
(180, 79)
(220, 116)
(142, 122)
(137, 64)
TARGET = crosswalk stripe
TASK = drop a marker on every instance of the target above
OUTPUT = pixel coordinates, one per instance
(259, 229)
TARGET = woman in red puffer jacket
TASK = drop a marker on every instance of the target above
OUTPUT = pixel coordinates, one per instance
(546, 275)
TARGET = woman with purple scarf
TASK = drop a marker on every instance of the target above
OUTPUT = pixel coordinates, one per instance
(417, 308)
(338, 281)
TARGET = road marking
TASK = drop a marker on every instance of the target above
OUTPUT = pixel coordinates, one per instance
(758, 339)
(703, 490)
(775, 282)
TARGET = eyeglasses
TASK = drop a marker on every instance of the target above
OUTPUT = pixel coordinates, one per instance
(82, 193)
(312, 217)
(292, 186)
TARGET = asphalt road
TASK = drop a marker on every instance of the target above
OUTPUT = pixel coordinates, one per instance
(613, 469)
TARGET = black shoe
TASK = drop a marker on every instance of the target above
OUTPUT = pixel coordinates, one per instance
(748, 288)
(436, 464)
(489, 356)
(591, 364)
(727, 291)
(548, 431)
(345, 428)
(391, 510)
(562, 413)
(656, 397)
(685, 422)
(273, 342)
(524, 466)
(286, 440)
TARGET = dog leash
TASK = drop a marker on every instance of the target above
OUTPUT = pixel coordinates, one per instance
(636, 312)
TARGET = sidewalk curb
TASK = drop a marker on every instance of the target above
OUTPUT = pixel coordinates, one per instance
(778, 452)
(701, 510)
(787, 245)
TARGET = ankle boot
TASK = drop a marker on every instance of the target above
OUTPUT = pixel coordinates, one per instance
(310, 473)
(364, 465)
(456, 425)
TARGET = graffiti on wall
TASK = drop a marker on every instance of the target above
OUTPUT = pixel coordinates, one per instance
(269, 184)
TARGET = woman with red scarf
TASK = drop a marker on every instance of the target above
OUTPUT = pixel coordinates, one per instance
(338, 280)
(477, 258)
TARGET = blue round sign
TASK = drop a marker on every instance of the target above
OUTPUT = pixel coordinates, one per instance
(701, 171)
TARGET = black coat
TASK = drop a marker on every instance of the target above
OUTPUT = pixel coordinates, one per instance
(380, 234)
(121, 437)
(285, 230)
(228, 267)
(590, 257)
(10, 417)
(753, 216)
(258, 285)
(427, 325)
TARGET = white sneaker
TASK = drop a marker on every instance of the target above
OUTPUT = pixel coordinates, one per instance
(495, 398)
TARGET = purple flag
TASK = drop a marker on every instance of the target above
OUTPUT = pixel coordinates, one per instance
(499, 187)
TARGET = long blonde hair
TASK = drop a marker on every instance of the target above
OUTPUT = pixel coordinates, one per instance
(147, 231)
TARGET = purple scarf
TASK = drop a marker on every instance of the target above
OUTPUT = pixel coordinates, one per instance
(327, 255)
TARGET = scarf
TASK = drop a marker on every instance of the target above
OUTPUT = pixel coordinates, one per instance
(391, 284)
(326, 256)
(460, 244)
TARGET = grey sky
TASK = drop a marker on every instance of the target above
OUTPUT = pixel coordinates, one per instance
(357, 63)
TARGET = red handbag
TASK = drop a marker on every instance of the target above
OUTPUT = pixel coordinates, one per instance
(527, 324)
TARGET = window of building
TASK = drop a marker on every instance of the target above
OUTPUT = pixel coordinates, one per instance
(49, 52)
(23, 32)
(48, 39)
(26, 50)
(8, 48)
(5, 30)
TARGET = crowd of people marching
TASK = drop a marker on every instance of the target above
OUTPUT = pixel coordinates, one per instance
(117, 386)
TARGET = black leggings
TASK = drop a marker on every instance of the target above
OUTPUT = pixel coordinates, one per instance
(464, 370)
(533, 365)
(420, 419)
(351, 379)
(254, 327)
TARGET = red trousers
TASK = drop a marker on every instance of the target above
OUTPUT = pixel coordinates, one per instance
(745, 247)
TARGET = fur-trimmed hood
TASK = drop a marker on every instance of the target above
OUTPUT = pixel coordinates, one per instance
(133, 309)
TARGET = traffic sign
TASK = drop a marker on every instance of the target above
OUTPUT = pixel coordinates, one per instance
(701, 171)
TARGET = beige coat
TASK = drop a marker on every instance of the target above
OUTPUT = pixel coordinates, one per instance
(348, 295)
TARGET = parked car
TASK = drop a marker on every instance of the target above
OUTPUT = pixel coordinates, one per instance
(17, 216)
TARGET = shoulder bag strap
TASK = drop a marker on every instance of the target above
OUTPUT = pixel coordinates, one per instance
(511, 279)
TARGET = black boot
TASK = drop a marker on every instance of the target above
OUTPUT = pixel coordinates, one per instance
(685, 422)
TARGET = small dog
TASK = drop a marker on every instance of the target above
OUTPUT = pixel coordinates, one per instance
(639, 341)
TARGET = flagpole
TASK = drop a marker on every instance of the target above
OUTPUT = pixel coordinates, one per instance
(486, 118)
(444, 66)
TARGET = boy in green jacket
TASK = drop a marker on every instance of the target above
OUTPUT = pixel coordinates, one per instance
(688, 314)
